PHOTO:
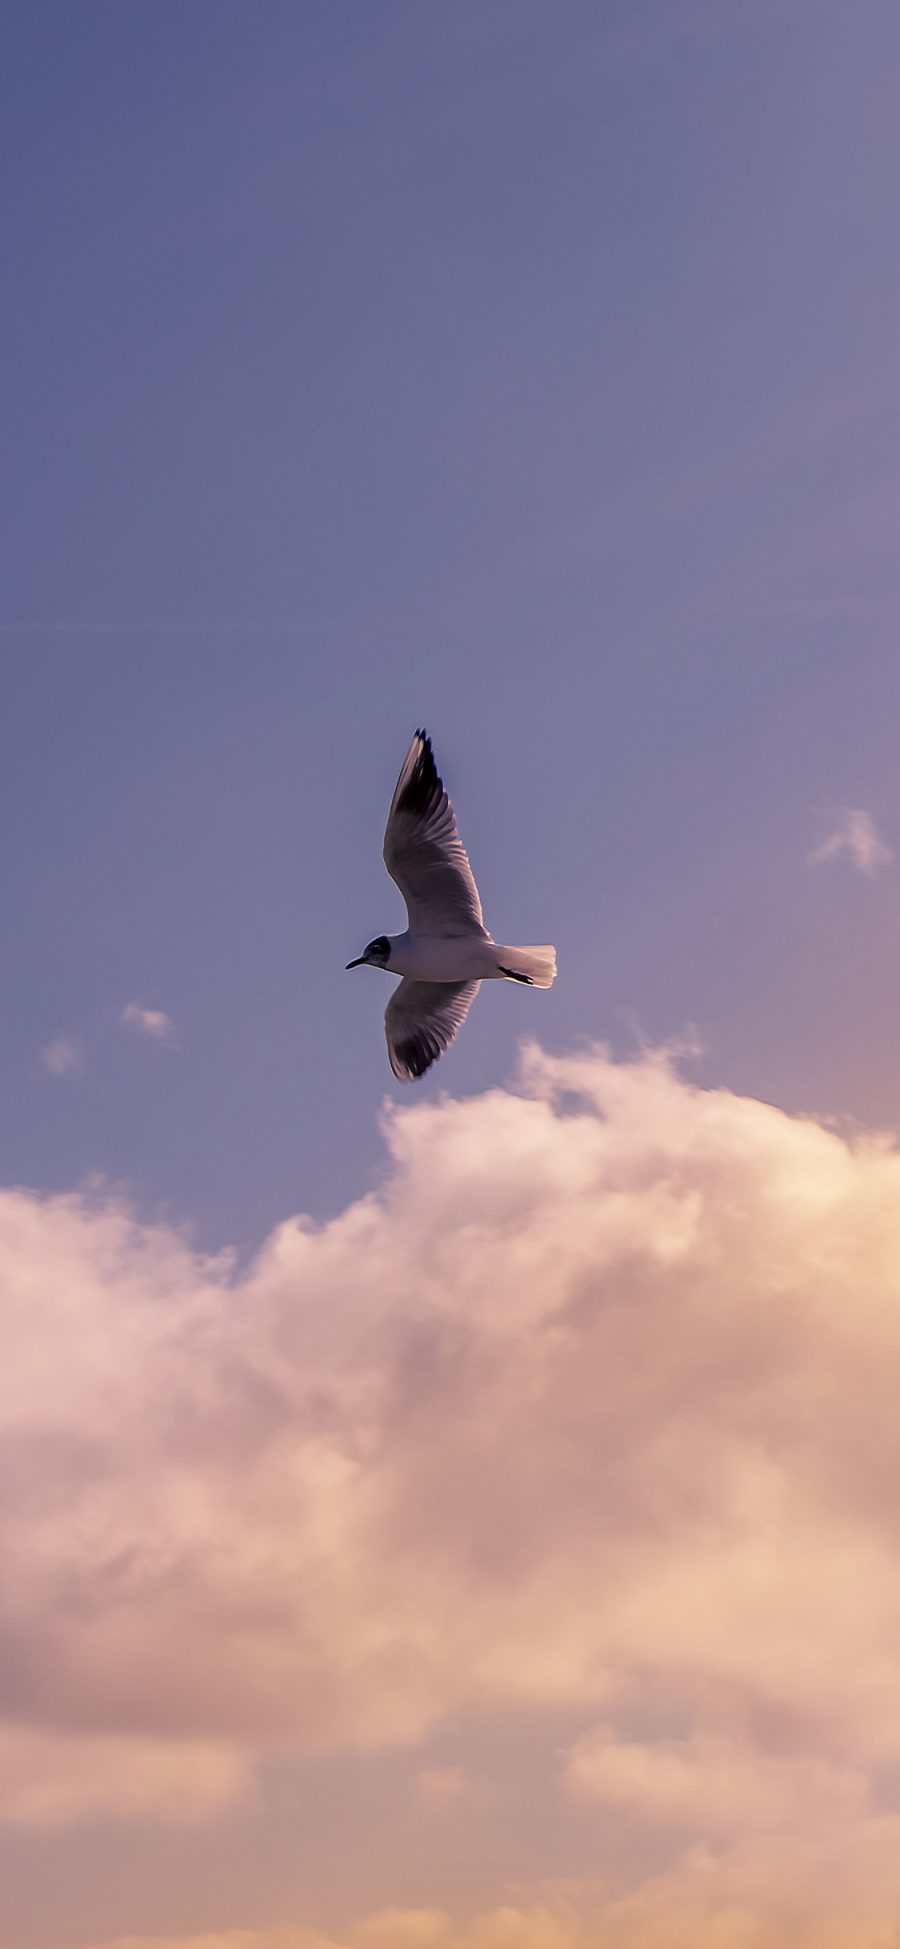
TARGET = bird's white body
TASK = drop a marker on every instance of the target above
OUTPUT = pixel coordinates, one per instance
(456, 957)
(446, 949)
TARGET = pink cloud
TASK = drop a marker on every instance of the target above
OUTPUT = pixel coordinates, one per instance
(855, 836)
(63, 1056)
(590, 1411)
(49, 1778)
(147, 1021)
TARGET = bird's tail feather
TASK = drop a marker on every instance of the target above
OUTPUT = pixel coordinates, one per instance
(536, 965)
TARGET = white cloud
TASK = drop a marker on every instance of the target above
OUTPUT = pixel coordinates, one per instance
(857, 836)
(63, 1056)
(147, 1021)
(591, 1411)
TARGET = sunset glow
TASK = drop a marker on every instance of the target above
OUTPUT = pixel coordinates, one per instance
(450, 1504)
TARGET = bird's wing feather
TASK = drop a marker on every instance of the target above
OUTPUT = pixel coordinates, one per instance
(421, 1020)
(424, 854)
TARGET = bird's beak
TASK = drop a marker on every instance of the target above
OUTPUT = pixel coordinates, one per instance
(357, 964)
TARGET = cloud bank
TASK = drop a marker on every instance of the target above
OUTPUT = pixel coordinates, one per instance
(591, 1410)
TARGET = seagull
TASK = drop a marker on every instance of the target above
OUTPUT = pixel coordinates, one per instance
(446, 951)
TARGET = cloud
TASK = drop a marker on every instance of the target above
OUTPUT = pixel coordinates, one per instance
(441, 1784)
(405, 1928)
(232, 1939)
(713, 1784)
(587, 1416)
(147, 1021)
(391, 1928)
(661, 1917)
(63, 1056)
(47, 1780)
(856, 835)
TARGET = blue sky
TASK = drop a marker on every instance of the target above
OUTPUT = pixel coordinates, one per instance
(528, 372)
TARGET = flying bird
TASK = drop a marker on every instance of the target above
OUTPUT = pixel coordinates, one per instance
(446, 951)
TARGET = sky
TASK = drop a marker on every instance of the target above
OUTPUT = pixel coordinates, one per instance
(460, 1515)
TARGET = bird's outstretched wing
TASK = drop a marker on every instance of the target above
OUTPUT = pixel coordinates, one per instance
(423, 851)
(421, 1019)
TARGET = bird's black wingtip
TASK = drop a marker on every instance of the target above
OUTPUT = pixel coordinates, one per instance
(411, 1058)
(419, 787)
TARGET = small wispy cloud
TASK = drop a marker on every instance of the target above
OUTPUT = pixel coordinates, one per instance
(856, 835)
(440, 1784)
(63, 1056)
(147, 1021)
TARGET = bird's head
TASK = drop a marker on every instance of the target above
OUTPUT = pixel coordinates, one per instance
(376, 955)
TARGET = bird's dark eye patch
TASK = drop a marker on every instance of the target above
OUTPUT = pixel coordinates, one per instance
(380, 947)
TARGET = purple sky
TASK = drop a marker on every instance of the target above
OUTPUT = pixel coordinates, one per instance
(528, 370)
